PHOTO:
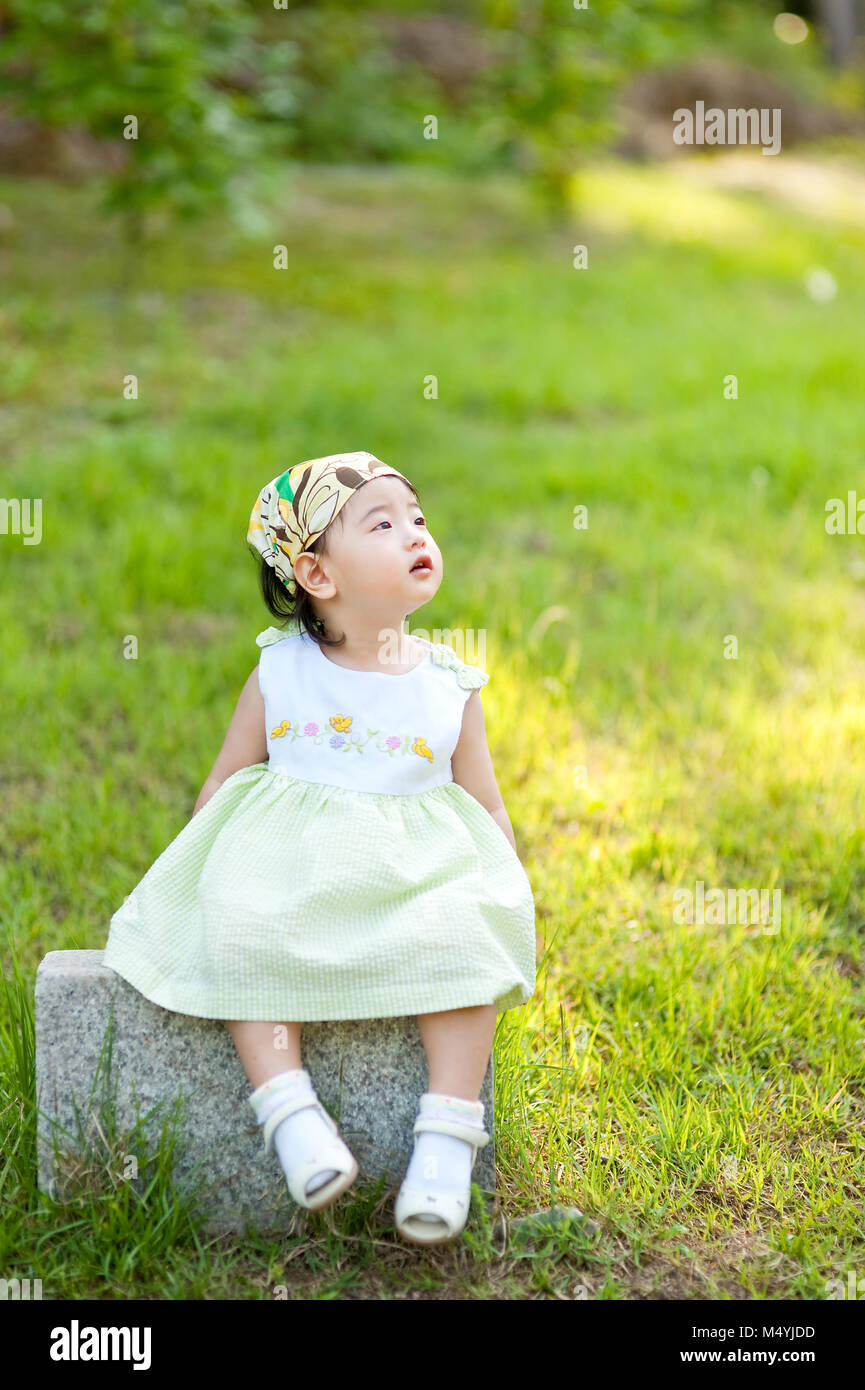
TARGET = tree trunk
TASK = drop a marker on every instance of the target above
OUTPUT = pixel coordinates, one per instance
(839, 20)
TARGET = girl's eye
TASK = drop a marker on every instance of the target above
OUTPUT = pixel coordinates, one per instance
(420, 519)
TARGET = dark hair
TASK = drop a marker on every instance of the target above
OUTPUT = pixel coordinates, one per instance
(298, 608)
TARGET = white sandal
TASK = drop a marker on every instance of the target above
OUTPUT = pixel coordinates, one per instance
(335, 1155)
(452, 1208)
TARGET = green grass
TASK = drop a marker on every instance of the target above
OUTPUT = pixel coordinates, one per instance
(697, 1090)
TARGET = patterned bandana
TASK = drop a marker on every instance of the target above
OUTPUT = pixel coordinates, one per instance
(298, 506)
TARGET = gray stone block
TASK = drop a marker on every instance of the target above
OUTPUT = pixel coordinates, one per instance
(368, 1073)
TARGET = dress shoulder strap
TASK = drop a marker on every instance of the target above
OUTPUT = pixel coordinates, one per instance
(467, 677)
(275, 634)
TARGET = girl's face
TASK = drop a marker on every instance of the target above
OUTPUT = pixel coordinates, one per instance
(382, 538)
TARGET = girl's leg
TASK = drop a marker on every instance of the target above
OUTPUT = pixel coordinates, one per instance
(266, 1049)
(458, 1043)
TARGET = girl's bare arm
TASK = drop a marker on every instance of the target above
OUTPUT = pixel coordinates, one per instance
(473, 767)
(245, 742)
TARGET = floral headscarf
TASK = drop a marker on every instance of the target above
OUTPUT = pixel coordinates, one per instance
(297, 507)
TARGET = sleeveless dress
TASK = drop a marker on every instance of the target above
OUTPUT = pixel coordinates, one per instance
(347, 877)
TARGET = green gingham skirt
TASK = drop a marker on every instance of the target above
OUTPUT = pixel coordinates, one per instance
(287, 900)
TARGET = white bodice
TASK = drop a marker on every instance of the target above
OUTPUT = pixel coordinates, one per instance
(363, 730)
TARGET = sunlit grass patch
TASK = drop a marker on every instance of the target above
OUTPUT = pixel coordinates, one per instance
(697, 1089)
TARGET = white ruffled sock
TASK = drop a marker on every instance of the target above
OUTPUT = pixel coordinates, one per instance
(441, 1162)
(300, 1135)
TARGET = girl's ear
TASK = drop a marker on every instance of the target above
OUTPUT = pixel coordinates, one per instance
(310, 574)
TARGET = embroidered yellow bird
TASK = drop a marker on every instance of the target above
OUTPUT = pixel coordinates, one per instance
(341, 722)
(419, 746)
(281, 729)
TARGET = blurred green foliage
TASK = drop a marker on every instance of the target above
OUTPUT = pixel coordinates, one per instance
(219, 86)
(163, 62)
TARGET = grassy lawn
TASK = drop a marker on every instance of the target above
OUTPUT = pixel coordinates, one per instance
(696, 1089)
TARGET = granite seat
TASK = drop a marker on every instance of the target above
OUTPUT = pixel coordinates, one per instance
(97, 1037)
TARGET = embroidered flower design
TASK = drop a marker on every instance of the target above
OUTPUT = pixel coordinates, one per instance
(342, 724)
